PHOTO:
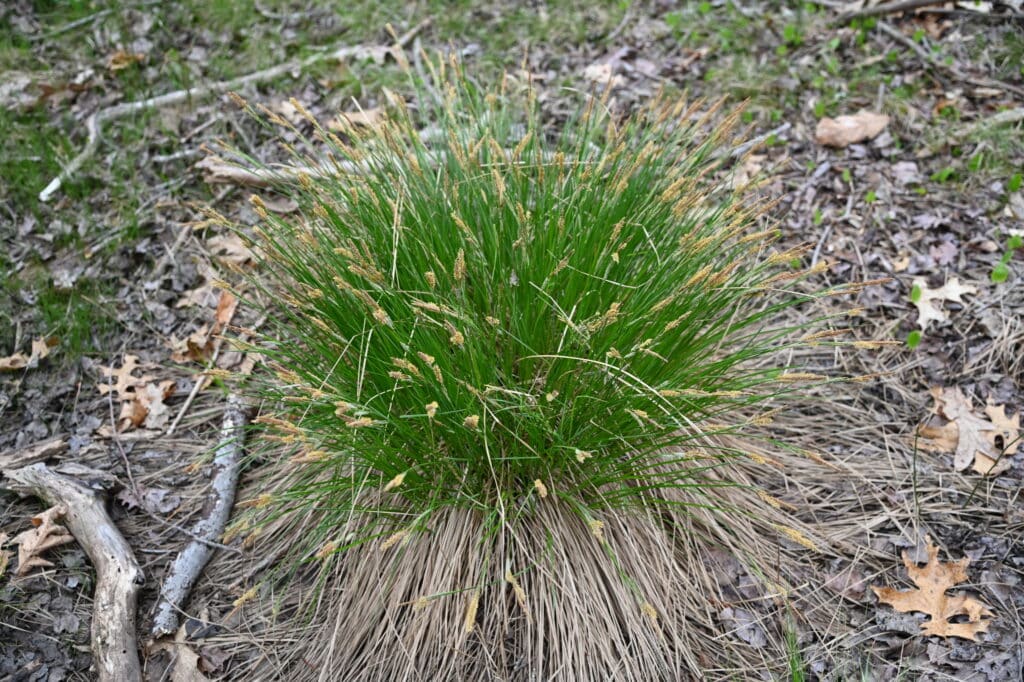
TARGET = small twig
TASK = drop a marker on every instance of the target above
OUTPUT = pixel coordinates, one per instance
(118, 576)
(186, 568)
(954, 71)
(198, 386)
(887, 8)
(750, 144)
(37, 452)
(93, 124)
(828, 231)
(1006, 117)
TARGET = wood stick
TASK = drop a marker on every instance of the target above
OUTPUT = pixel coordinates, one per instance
(190, 562)
(37, 452)
(93, 124)
(118, 576)
(888, 8)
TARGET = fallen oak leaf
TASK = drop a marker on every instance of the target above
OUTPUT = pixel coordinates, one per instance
(126, 382)
(976, 442)
(14, 362)
(929, 301)
(843, 131)
(46, 535)
(40, 349)
(230, 249)
(929, 597)
(5, 556)
(122, 59)
(1005, 439)
(366, 118)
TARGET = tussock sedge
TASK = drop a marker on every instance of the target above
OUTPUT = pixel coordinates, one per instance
(514, 371)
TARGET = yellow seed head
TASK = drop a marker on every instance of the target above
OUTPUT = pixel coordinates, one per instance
(406, 365)
(583, 455)
(517, 589)
(393, 540)
(597, 528)
(541, 489)
(493, 321)
(248, 595)
(420, 604)
(797, 537)
(431, 278)
(474, 602)
(309, 457)
(395, 482)
(648, 610)
(459, 271)
(431, 409)
(472, 421)
(793, 377)
(551, 396)
(399, 376)
(456, 338)
(327, 549)
(359, 423)
(429, 359)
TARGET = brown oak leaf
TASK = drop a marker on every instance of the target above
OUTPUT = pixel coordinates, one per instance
(46, 535)
(985, 445)
(930, 597)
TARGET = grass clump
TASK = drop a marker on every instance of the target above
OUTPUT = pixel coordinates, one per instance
(485, 324)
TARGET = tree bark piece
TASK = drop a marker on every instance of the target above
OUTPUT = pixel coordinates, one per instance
(118, 576)
(37, 452)
(190, 562)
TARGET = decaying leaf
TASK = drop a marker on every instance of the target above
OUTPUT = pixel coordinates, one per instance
(603, 74)
(142, 400)
(976, 442)
(230, 249)
(199, 345)
(40, 349)
(122, 59)
(930, 597)
(46, 535)
(368, 118)
(929, 301)
(125, 382)
(843, 131)
(5, 556)
(183, 658)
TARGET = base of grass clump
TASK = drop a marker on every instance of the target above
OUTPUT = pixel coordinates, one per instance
(680, 591)
(519, 378)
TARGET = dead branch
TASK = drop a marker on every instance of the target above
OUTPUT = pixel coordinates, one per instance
(37, 452)
(190, 562)
(93, 124)
(887, 8)
(937, 66)
(118, 576)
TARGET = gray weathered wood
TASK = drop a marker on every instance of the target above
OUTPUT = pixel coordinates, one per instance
(118, 576)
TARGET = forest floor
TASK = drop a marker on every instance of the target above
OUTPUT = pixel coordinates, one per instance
(119, 263)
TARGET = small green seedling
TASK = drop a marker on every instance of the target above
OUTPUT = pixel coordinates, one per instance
(914, 339)
(1001, 271)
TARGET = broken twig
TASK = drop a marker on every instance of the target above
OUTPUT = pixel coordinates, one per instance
(193, 558)
(93, 124)
(118, 576)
